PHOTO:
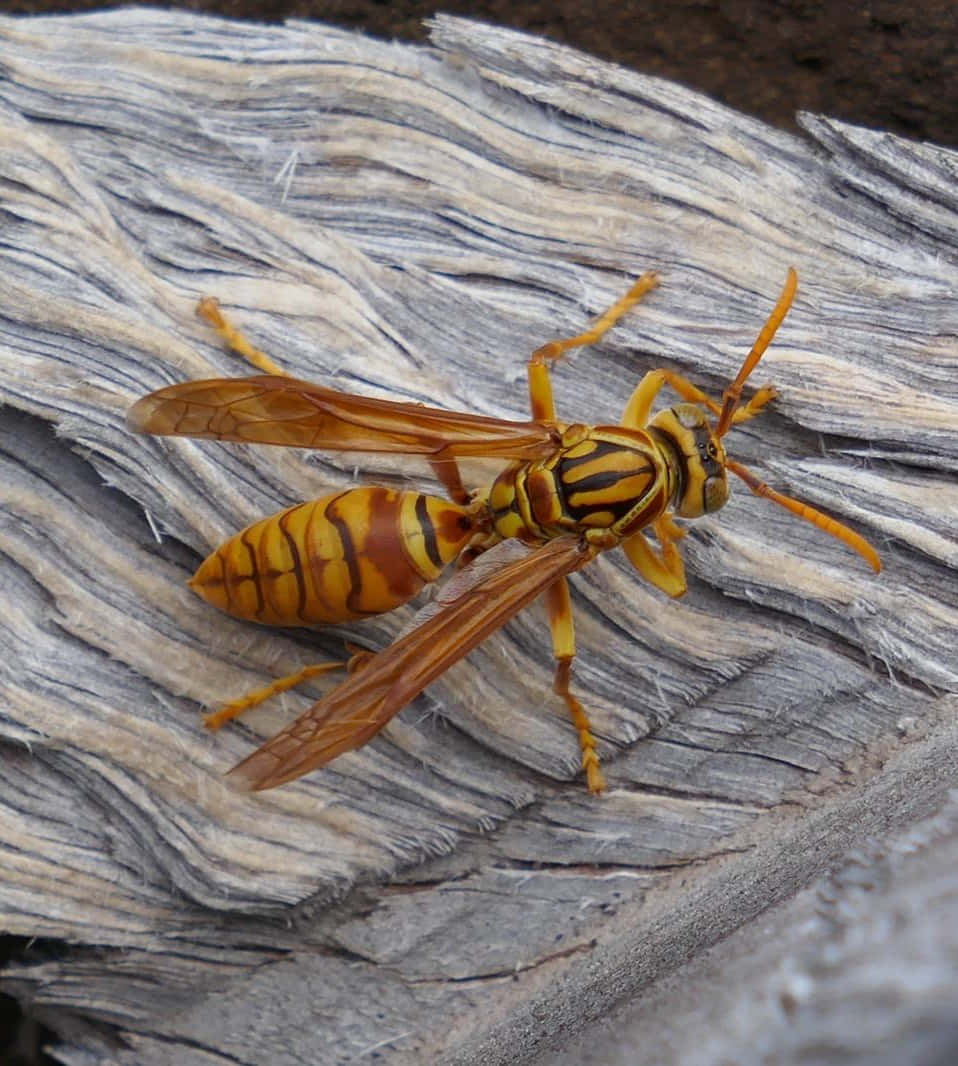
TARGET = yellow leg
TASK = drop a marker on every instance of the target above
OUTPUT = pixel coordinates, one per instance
(209, 309)
(540, 386)
(563, 646)
(663, 568)
(447, 472)
(283, 684)
(639, 408)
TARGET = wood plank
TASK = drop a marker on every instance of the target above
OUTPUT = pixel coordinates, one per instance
(412, 222)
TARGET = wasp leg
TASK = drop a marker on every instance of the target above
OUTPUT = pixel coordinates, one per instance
(563, 647)
(540, 385)
(447, 472)
(209, 309)
(282, 684)
(663, 568)
(639, 408)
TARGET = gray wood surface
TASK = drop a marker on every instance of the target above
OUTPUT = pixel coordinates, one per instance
(859, 969)
(413, 222)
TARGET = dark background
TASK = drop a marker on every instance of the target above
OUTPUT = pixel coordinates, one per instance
(887, 64)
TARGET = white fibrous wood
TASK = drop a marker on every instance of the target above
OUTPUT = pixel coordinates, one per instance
(411, 222)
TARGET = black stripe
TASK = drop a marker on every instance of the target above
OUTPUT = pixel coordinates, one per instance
(224, 577)
(604, 479)
(350, 557)
(428, 531)
(297, 564)
(601, 449)
(579, 512)
(254, 576)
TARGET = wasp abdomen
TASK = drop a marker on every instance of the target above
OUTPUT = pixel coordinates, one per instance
(341, 557)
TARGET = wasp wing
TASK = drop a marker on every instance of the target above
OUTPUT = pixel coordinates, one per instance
(274, 409)
(360, 706)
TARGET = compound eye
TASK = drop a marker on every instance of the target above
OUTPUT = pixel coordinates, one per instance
(715, 493)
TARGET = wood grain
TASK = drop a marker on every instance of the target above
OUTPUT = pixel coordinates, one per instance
(412, 222)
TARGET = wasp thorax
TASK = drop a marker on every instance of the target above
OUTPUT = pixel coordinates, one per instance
(696, 460)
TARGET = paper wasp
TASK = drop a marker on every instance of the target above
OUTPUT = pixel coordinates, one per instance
(570, 491)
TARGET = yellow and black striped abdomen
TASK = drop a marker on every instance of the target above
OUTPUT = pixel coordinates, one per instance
(360, 552)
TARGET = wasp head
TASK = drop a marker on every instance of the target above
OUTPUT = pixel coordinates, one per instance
(696, 460)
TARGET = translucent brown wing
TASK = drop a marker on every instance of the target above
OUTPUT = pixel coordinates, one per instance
(270, 409)
(360, 706)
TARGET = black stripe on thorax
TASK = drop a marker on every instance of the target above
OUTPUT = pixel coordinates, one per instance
(578, 512)
(600, 449)
(603, 480)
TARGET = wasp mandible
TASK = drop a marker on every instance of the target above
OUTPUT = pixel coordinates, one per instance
(570, 491)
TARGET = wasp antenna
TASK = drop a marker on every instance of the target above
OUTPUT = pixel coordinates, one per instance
(809, 514)
(733, 393)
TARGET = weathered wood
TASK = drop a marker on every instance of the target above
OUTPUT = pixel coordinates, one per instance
(413, 222)
(858, 968)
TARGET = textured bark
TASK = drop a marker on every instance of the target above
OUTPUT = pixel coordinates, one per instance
(412, 222)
